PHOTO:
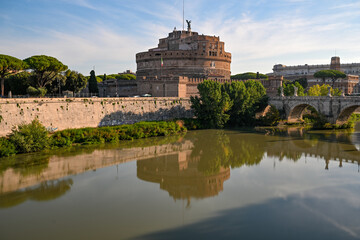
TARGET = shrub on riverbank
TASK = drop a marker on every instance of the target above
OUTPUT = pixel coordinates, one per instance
(34, 137)
(31, 137)
(7, 148)
(272, 118)
(114, 133)
(319, 122)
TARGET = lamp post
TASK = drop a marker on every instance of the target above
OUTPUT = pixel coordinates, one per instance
(116, 90)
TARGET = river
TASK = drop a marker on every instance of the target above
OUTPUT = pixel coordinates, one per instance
(206, 184)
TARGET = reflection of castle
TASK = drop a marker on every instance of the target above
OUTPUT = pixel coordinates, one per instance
(179, 175)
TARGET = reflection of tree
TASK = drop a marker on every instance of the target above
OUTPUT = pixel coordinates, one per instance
(227, 150)
(213, 151)
(246, 150)
(25, 164)
(46, 191)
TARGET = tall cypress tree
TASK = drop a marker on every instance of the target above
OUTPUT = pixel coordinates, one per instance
(93, 87)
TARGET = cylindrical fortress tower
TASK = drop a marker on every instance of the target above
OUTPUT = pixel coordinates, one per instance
(185, 53)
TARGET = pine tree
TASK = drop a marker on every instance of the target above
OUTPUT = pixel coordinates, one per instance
(93, 87)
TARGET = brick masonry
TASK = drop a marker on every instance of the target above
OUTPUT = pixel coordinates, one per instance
(63, 113)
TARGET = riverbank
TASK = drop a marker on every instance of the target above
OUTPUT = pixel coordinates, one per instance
(317, 122)
(34, 137)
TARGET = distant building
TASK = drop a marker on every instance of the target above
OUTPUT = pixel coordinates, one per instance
(117, 88)
(349, 85)
(128, 72)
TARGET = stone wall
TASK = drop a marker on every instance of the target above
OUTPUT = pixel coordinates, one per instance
(63, 113)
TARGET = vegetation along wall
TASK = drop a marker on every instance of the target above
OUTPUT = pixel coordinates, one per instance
(62, 113)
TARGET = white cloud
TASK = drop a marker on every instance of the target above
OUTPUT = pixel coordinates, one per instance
(106, 49)
(256, 44)
(265, 40)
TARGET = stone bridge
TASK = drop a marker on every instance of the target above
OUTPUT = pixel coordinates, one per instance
(337, 110)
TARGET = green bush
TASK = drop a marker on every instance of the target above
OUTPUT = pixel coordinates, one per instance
(30, 137)
(36, 92)
(229, 104)
(114, 134)
(7, 148)
(192, 123)
(271, 118)
(34, 137)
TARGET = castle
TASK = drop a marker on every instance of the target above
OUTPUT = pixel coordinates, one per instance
(175, 67)
(180, 62)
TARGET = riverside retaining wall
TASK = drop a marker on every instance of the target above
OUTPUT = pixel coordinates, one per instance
(63, 113)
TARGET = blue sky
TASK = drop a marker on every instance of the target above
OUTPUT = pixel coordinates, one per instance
(107, 34)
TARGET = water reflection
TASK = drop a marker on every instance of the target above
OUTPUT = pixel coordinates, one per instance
(195, 165)
(180, 175)
(44, 192)
(295, 194)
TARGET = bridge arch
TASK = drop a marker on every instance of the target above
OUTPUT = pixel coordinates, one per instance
(346, 113)
(297, 111)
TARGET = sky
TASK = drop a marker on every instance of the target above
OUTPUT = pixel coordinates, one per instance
(106, 34)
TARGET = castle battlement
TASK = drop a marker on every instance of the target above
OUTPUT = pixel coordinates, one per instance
(185, 53)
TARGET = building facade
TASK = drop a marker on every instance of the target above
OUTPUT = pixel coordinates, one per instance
(349, 85)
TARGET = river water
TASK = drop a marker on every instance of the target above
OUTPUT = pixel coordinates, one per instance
(210, 184)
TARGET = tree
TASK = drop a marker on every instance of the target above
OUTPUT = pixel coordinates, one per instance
(257, 101)
(45, 69)
(249, 75)
(74, 81)
(303, 82)
(8, 65)
(57, 84)
(289, 89)
(323, 90)
(18, 83)
(332, 74)
(93, 87)
(213, 105)
(126, 77)
(233, 104)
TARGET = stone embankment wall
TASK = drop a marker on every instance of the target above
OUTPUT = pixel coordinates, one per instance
(62, 113)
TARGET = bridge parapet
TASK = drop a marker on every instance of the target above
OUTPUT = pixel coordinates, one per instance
(334, 109)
